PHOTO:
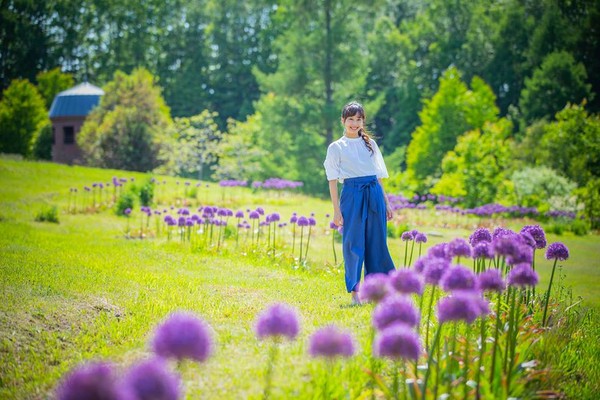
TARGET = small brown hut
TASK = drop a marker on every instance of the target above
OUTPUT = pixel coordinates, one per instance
(67, 113)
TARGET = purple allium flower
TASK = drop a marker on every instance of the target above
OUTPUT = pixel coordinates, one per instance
(293, 219)
(420, 264)
(421, 238)
(152, 380)
(127, 211)
(395, 309)
(557, 250)
(407, 236)
(537, 233)
(260, 210)
(513, 247)
(483, 250)
(458, 277)
(183, 335)
(459, 248)
(434, 269)
(91, 381)
(398, 342)
(330, 342)
(312, 221)
(302, 221)
(275, 217)
(277, 320)
(501, 232)
(527, 239)
(461, 306)
(522, 275)
(491, 280)
(374, 288)
(332, 225)
(406, 281)
(440, 250)
(254, 215)
(480, 235)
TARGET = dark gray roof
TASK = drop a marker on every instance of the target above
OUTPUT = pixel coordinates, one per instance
(77, 101)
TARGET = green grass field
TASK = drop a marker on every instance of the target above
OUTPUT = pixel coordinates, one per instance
(79, 290)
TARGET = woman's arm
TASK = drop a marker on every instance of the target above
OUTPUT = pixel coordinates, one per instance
(333, 193)
(388, 210)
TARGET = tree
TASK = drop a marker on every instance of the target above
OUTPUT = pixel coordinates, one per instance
(453, 110)
(239, 157)
(537, 186)
(193, 146)
(558, 81)
(476, 169)
(52, 82)
(571, 144)
(127, 129)
(22, 114)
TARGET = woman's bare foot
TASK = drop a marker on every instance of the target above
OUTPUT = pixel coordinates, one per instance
(355, 299)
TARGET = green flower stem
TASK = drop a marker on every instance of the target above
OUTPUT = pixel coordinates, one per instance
(301, 238)
(405, 254)
(466, 361)
(436, 339)
(496, 334)
(269, 372)
(482, 336)
(412, 248)
(333, 246)
(307, 242)
(429, 318)
(547, 299)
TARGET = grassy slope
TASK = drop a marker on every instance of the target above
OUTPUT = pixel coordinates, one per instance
(78, 290)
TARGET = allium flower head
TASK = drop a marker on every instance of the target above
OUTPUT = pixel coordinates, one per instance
(522, 275)
(501, 232)
(483, 250)
(557, 250)
(183, 335)
(276, 321)
(491, 280)
(254, 215)
(537, 233)
(395, 309)
(459, 248)
(398, 342)
(527, 239)
(513, 248)
(421, 238)
(458, 277)
(407, 236)
(440, 250)
(420, 264)
(406, 281)
(312, 221)
(293, 219)
(461, 306)
(239, 214)
(374, 288)
(330, 342)
(302, 221)
(127, 211)
(152, 380)
(332, 225)
(480, 235)
(91, 381)
(434, 269)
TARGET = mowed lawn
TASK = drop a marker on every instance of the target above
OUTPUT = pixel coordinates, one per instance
(79, 290)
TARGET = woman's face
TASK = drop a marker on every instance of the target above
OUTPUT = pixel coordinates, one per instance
(353, 124)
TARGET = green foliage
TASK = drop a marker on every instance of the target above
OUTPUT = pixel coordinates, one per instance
(453, 110)
(558, 81)
(48, 214)
(193, 145)
(239, 158)
(22, 114)
(572, 144)
(42, 143)
(535, 186)
(579, 227)
(590, 197)
(477, 167)
(146, 193)
(126, 200)
(127, 129)
(52, 82)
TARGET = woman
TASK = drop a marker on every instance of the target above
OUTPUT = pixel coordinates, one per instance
(363, 208)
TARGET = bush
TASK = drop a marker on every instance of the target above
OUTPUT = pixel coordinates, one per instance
(48, 214)
(556, 228)
(146, 193)
(126, 200)
(41, 148)
(579, 227)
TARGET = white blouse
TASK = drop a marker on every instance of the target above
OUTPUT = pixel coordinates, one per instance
(350, 158)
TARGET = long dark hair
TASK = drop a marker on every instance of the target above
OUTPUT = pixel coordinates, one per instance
(355, 108)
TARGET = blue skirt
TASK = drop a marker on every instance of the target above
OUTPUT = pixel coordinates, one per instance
(364, 238)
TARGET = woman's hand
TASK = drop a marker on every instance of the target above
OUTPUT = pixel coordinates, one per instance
(389, 214)
(337, 218)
